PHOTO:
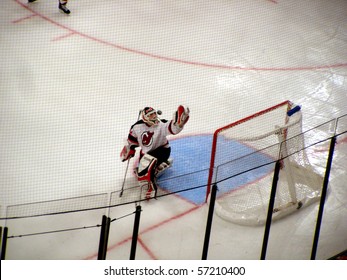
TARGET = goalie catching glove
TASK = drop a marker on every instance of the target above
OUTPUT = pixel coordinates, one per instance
(127, 152)
(181, 116)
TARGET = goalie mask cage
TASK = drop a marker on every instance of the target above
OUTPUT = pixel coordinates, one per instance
(242, 164)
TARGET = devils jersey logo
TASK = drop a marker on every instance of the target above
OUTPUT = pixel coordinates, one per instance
(147, 138)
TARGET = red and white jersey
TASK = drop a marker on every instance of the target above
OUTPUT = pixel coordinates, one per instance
(149, 138)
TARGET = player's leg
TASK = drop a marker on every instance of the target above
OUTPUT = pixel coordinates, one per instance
(161, 168)
(162, 154)
(145, 174)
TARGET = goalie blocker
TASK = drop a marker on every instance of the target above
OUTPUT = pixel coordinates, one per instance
(150, 135)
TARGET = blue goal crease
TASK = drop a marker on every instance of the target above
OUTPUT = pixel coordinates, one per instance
(191, 161)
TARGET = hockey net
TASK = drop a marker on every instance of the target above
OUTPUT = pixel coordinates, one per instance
(242, 165)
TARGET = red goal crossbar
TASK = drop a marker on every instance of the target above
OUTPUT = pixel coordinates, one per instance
(219, 130)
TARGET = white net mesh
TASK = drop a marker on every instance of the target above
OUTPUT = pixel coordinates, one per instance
(244, 159)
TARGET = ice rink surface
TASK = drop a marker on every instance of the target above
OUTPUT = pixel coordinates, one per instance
(71, 87)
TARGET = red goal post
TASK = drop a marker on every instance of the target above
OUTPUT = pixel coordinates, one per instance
(242, 163)
(286, 105)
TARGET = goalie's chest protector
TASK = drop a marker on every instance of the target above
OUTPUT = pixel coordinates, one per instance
(150, 137)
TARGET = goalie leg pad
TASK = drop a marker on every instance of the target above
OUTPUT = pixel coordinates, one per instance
(162, 167)
(148, 187)
(146, 168)
(145, 175)
(151, 190)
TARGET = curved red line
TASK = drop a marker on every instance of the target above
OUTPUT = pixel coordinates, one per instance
(177, 60)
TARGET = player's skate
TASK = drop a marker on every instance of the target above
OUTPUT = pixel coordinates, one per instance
(62, 8)
(150, 188)
(160, 169)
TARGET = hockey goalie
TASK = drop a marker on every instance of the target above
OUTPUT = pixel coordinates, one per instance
(150, 134)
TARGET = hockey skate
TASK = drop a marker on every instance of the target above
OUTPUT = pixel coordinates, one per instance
(63, 8)
(151, 189)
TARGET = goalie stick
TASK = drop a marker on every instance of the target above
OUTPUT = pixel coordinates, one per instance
(126, 169)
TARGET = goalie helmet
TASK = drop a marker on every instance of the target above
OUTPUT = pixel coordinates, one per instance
(150, 116)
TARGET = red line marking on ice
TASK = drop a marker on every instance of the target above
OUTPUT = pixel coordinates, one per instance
(146, 230)
(194, 63)
(273, 1)
(177, 196)
(326, 149)
(63, 37)
(24, 18)
(343, 140)
(148, 251)
(171, 219)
